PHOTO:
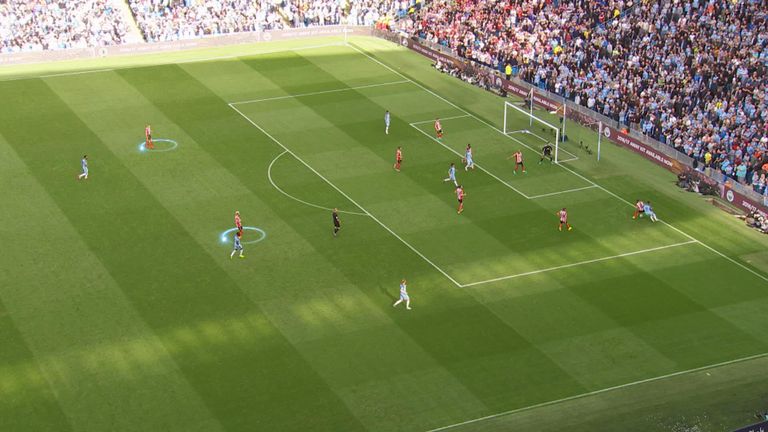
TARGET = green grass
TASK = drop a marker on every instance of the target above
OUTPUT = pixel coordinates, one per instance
(121, 310)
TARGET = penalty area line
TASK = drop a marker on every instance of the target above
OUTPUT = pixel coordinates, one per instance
(441, 119)
(319, 92)
(269, 176)
(580, 263)
(601, 391)
(562, 192)
(344, 194)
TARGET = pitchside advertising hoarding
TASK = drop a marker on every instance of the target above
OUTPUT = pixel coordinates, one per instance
(613, 134)
(759, 427)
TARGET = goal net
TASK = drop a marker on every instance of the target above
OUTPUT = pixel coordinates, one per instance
(520, 119)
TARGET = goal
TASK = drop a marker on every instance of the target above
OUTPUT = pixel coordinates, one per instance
(521, 119)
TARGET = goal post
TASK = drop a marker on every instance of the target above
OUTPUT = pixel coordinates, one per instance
(513, 110)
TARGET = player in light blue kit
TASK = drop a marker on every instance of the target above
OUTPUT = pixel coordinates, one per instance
(238, 245)
(648, 211)
(468, 158)
(386, 122)
(403, 296)
(452, 175)
(84, 164)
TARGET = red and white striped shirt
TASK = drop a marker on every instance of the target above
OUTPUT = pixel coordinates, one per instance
(438, 127)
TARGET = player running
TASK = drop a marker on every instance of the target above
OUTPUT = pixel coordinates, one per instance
(470, 163)
(518, 155)
(238, 222)
(460, 196)
(648, 210)
(336, 222)
(403, 295)
(438, 128)
(148, 144)
(546, 152)
(452, 175)
(84, 166)
(639, 209)
(386, 122)
(563, 214)
(238, 245)
(398, 159)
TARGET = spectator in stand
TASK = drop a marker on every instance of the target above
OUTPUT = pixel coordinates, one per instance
(690, 73)
(30, 25)
(163, 20)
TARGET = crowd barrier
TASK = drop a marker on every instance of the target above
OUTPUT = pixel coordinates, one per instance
(666, 156)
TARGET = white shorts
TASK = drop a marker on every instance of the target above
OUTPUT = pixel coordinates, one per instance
(404, 296)
(470, 162)
(85, 171)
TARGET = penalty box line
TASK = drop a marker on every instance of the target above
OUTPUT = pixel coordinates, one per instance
(717, 252)
(344, 194)
(343, 89)
(530, 273)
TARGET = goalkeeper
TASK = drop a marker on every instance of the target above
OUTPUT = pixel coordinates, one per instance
(546, 152)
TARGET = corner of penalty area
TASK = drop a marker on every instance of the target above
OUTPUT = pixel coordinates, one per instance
(251, 235)
(161, 145)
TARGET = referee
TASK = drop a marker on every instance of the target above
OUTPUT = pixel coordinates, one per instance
(546, 152)
(336, 222)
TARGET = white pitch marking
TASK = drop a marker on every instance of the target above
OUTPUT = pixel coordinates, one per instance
(269, 176)
(605, 390)
(347, 196)
(580, 263)
(477, 165)
(561, 192)
(195, 60)
(76, 73)
(319, 92)
(226, 57)
(441, 119)
(763, 277)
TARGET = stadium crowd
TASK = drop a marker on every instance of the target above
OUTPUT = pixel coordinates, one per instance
(28, 25)
(163, 20)
(690, 73)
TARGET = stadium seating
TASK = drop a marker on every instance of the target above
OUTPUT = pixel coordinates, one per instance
(27, 25)
(689, 73)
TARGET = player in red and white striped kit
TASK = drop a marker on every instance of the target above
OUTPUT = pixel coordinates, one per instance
(460, 196)
(398, 159)
(148, 138)
(238, 222)
(639, 209)
(563, 215)
(438, 128)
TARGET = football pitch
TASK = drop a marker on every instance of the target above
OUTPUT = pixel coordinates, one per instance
(120, 308)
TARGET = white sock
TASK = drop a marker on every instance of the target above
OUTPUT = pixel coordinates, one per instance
(408, 304)
(398, 302)
(233, 253)
(456, 184)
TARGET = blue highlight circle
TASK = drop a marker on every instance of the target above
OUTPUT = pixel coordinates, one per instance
(226, 237)
(174, 145)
